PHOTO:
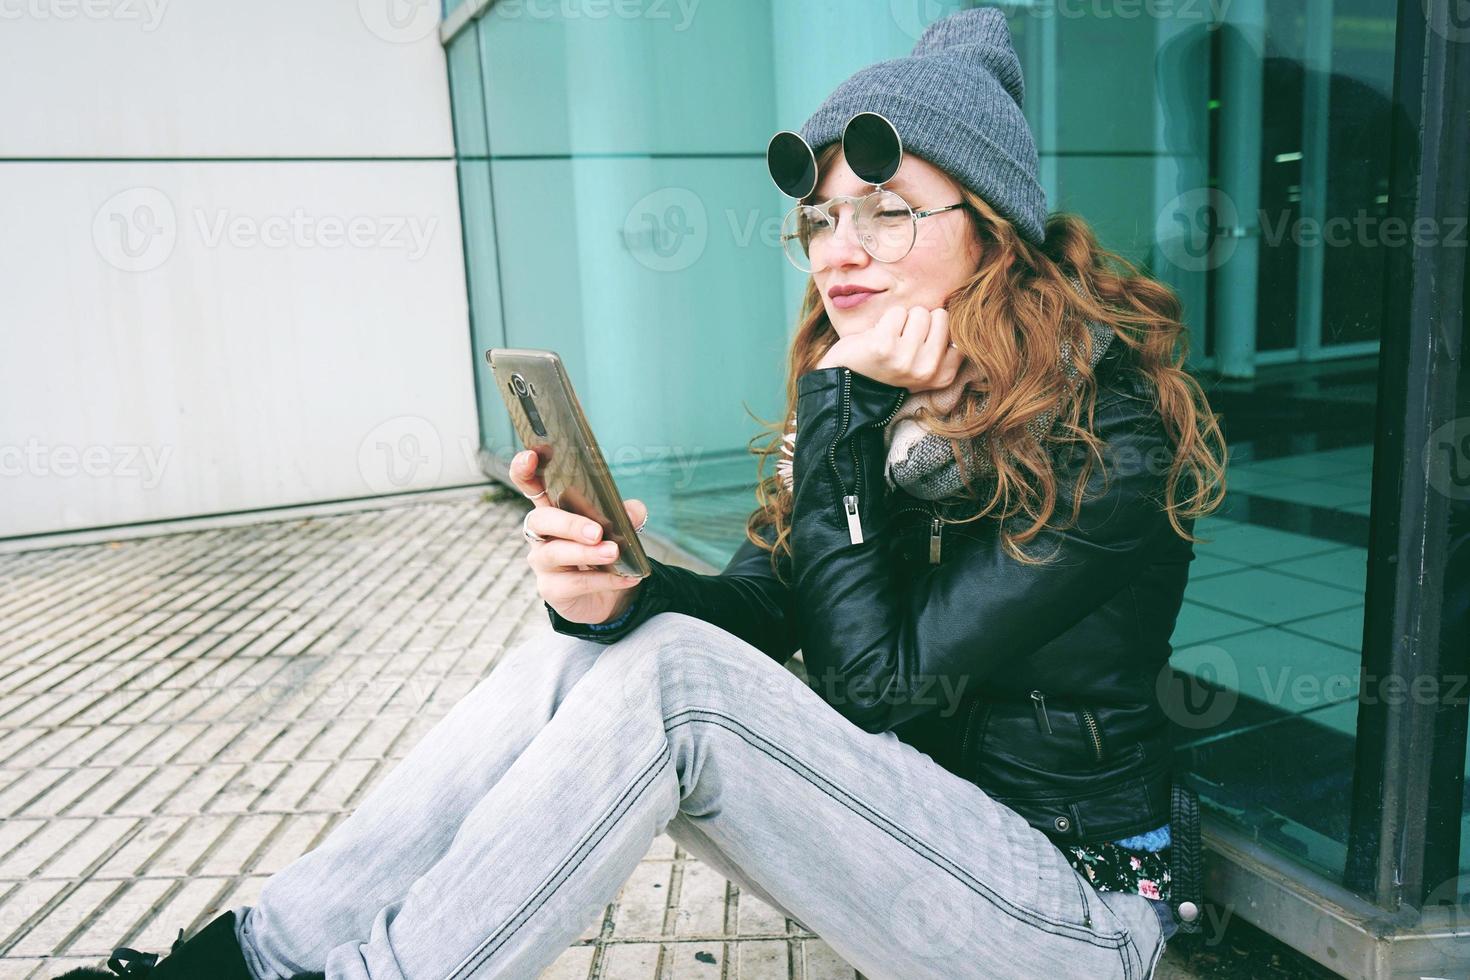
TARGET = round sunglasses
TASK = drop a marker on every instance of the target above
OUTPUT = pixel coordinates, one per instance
(886, 224)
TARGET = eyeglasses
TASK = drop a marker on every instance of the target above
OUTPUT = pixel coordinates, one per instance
(886, 226)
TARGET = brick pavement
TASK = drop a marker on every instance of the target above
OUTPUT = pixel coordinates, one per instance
(184, 714)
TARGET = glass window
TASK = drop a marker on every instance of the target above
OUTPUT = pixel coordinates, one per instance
(617, 209)
(1271, 173)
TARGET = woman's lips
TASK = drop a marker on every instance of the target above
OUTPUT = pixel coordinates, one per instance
(851, 300)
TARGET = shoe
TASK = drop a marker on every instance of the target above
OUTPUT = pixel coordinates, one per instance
(213, 953)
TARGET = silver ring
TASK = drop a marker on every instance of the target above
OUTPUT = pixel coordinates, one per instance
(530, 535)
(533, 496)
(640, 527)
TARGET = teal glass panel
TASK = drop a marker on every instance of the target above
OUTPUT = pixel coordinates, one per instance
(631, 225)
(467, 96)
(1186, 149)
(654, 318)
(640, 78)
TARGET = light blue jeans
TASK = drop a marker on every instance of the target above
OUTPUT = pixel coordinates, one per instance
(507, 829)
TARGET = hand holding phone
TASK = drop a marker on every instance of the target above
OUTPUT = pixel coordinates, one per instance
(566, 565)
(562, 458)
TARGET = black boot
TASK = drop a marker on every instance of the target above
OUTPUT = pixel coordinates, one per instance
(212, 953)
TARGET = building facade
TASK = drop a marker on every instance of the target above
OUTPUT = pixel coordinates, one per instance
(253, 256)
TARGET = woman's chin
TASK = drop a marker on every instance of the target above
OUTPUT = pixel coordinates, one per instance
(849, 322)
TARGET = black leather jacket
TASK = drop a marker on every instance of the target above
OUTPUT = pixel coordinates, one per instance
(1037, 683)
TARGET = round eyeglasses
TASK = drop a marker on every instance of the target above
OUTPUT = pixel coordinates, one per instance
(886, 226)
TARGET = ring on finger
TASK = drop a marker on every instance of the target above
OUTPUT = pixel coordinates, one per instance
(640, 527)
(526, 532)
(533, 496)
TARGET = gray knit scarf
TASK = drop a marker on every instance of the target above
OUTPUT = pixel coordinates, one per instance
(924, 464)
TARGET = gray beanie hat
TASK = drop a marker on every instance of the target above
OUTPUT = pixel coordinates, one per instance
(956, 102)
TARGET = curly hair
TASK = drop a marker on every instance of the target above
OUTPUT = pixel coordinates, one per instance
(1019, 301)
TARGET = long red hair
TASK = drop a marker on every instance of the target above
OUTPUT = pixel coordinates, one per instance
(1019, 301)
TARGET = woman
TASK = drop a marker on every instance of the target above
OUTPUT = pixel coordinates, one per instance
(945, 795)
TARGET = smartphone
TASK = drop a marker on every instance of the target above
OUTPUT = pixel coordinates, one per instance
(548, 418)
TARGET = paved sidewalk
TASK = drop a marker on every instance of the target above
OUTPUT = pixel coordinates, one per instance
(182, 715)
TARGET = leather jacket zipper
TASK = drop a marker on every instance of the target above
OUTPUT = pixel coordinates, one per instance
(849, 503)
(1038, 700)
(1043, 722)
(850, 500)
(1093, 732)
(936, 528)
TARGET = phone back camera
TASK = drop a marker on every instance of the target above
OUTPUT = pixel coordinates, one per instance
(522, 391)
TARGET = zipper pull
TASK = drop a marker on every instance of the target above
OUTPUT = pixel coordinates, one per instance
(854, 526)
(934, 542)
(1042, 721)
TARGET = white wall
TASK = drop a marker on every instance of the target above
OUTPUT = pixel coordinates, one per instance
(231, 273)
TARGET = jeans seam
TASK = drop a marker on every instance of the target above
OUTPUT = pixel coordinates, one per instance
(496, 938)
(1152, 966)
(1028, 916)
(1148, 969)
(569, 865)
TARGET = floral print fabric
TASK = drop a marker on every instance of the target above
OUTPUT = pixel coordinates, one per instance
(1112, 867)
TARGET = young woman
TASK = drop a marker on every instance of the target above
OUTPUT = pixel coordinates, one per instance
(978, 534)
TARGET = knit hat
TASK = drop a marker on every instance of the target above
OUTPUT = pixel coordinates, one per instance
(956, 102)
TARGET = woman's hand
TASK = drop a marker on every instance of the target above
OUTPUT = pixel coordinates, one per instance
(579, 594)
(908, 347)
